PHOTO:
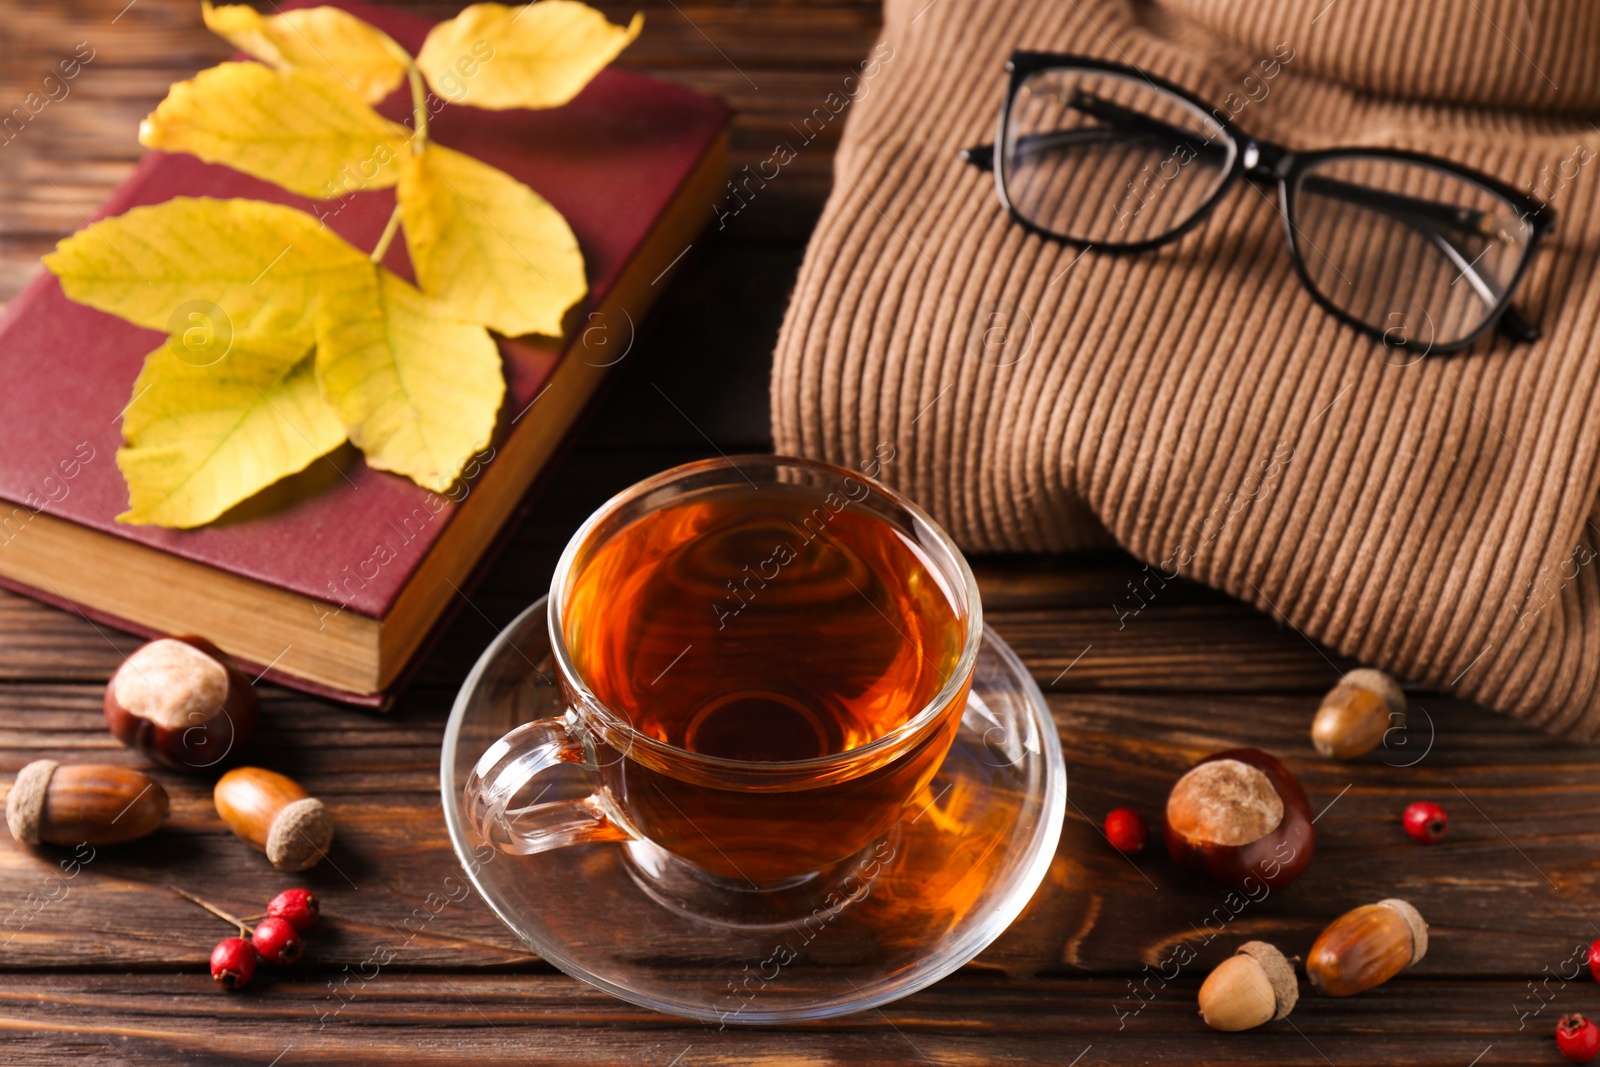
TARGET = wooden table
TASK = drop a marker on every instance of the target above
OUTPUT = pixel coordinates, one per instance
(109, 967)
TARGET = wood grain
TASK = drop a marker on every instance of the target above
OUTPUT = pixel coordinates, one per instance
(107, 967)
(415, 1018)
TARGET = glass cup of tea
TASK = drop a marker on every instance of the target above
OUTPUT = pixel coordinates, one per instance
(761, 660)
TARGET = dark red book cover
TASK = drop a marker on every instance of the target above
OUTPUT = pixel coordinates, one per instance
(611, 162)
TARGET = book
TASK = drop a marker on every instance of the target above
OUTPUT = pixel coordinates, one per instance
(333, 580)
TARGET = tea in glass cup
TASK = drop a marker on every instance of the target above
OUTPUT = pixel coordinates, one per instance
(762, 659)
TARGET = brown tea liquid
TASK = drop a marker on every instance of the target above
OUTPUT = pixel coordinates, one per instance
(763, 625)
(777, 624)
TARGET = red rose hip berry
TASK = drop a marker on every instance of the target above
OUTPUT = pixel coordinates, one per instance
(276, 941)
(1426, 822)
(297, 907)
(1594, 959)
(1577, 1038)
(233, 961)
(1126, 831)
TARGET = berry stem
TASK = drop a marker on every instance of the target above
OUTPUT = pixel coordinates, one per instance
(244, 931)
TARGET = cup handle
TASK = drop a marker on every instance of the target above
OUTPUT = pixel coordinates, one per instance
(507, 768)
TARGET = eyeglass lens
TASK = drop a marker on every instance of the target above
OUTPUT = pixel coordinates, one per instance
(1426, 255)
(1109, 159)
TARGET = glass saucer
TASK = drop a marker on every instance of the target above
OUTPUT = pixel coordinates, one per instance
(953, 873)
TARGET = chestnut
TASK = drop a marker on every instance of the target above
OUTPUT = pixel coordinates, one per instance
(182, 702)
(1240, 817)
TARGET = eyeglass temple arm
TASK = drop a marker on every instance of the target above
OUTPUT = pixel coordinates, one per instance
(1511, 322)
(1465, 219)
(1407, 208)
(1126, 119)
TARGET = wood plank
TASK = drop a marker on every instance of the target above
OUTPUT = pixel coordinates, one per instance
(419, 1019)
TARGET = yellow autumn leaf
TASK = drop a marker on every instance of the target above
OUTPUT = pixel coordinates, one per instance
(487, 246)
(534, 56)
(246, 267)
(324, 40)
(416, 388)
(292, 127)
(202, 438)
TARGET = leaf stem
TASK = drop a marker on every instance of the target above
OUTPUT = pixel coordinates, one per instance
(388, 235)
(419, 141)
(419, 110)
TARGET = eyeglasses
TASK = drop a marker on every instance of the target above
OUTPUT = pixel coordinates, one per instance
(1415, 251)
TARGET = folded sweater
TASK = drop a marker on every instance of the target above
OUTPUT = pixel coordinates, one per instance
(1435, 517)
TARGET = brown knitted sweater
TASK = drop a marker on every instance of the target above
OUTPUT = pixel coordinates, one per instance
(1431, 517)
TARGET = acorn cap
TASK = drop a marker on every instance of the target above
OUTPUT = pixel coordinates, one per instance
(25, 802)
(300, 835)
(1379, 683)
(1414, 920)
(1280, 973)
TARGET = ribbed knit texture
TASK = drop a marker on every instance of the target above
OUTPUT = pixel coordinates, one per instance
(1194, 404)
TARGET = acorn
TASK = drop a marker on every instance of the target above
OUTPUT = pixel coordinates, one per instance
(87, 803)
(182, 702)
(1253, 986)
(1240, 817)
(1356, 714)
(1366, 947)
(275, 815)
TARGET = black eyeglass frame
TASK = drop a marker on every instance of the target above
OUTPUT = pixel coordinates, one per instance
(1263, 162)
